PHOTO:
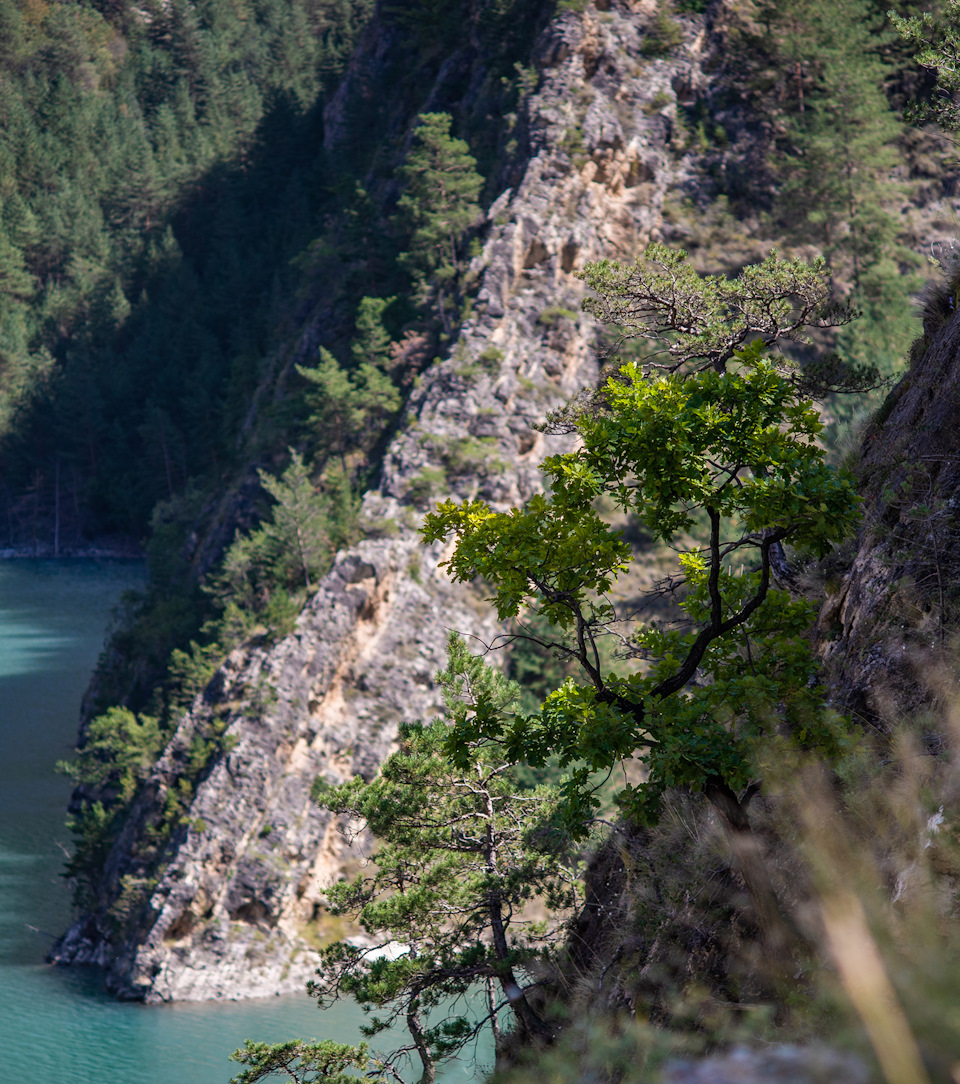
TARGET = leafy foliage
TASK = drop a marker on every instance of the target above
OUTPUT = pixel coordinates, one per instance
(723, 445)
(735, 448)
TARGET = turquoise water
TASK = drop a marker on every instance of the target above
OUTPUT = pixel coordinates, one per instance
(56, 1023)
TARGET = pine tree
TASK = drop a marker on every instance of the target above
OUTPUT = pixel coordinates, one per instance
(839, 132)
(372, 342)
(296, 541)
(438, 205)
(935, 35)
(464, 847)
(348, 410)
(264, 572)
(836, 158)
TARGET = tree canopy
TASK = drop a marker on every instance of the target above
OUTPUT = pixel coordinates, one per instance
(695, 321)
(730, 457)
(718, 458)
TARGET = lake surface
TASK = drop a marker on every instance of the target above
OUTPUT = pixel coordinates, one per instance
(56, 1023)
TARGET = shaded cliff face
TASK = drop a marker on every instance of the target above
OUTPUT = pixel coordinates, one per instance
(229, 910)
(884, 626)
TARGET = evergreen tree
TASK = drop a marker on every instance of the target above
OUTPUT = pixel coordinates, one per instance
(118, 751)
(835, 156)
(463, 848)
(326, 1062)
(439, 203)
(372, 342)
(296, 541)
(840, 135)
(347, 410)
(292, 547)
(935, 37)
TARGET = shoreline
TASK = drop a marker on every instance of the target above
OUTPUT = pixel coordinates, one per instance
(104, 551)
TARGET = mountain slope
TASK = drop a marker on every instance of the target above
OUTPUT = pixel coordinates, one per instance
(220, 906)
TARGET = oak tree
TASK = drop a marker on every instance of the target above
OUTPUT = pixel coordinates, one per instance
(712, 446)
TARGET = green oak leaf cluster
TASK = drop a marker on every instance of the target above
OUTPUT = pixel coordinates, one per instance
(731, 452)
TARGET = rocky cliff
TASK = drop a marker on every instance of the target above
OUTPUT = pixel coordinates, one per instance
(886, 624)
(231, 911)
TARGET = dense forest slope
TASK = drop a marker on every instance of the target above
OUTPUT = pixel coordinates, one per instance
(159, 163)
(276, 296)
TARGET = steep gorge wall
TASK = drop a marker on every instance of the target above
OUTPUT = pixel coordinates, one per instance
(230, 910)
(889, 619)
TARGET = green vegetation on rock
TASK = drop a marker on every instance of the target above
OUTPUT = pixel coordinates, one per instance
(212, 325)
(464, 849)
(712, 443)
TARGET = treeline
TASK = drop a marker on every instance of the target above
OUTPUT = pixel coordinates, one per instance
(162, 167)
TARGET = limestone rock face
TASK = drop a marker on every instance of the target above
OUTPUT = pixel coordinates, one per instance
(226, 914)
(226, 917)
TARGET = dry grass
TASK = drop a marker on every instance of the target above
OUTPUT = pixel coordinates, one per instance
(866, 859)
